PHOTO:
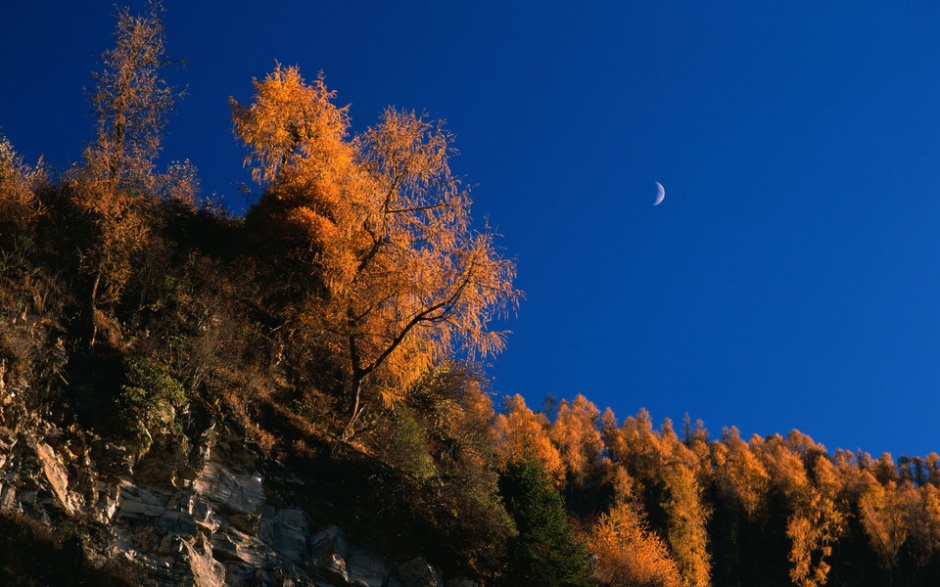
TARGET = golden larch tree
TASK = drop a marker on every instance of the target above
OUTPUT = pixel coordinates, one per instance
(111, 191)
(925, 534)
(634, 444)
(886, 518)
(395, 278)
(130, 100)
(687, 529)
(739, 474)
(803, 476)
(628, 554)
(660, 459)
(575, 432)
(519, 433)
(19, 206)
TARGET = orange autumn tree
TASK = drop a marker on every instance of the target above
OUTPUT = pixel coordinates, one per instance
(739, 475)
(803, 479)
(885, 513)
(925, 534)
(391, 276)
(685, 509)
(576, 435)
(130, 101)
(667, 467)
(628, 553)
(19, 206)
(519, 433)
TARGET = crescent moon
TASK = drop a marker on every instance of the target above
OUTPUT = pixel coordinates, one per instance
(660, 194)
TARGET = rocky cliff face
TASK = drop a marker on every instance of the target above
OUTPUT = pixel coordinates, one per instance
(197, 509)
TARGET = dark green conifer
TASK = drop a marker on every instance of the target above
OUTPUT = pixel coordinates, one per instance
(545, 551)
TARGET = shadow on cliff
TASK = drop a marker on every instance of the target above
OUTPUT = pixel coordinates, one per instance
(34, 555)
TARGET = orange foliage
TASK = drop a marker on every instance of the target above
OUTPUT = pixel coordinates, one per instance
(577, 437)
(687, 531)
(396, 280)
(130, 101)
(293, 130)
(628, 554)
(815, 520)
(885, 515)
(19, 207)
(739, 474)
(634, 443)
(661, 459)
(520, 433)
(925, 534)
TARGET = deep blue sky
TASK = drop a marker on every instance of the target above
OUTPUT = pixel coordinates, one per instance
(791, 278)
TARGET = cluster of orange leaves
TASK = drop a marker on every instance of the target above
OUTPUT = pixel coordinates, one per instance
(395, 277)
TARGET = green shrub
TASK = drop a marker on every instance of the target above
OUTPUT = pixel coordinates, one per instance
(151, 398)
(406, 447)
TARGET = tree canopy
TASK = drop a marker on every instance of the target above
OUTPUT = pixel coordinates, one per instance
(376, 230)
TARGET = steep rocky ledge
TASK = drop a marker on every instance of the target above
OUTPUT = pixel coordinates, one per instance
(206, 514)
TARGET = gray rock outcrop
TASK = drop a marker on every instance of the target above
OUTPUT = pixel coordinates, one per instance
(203, 519)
